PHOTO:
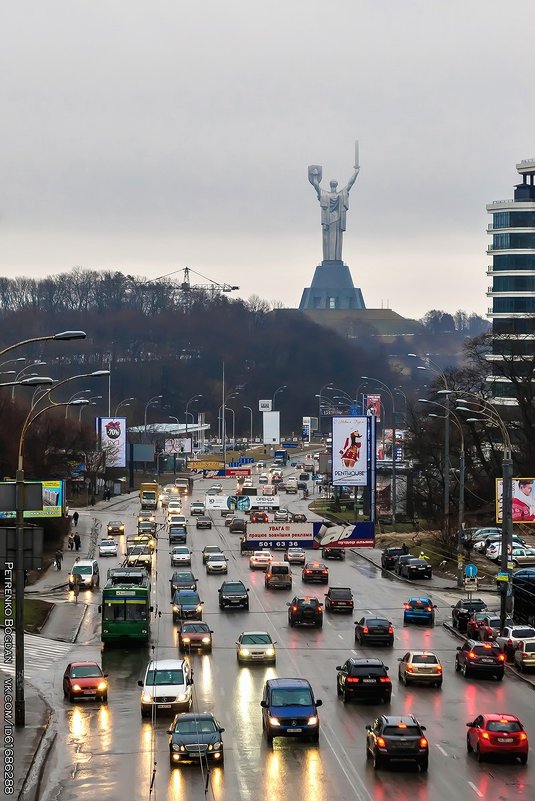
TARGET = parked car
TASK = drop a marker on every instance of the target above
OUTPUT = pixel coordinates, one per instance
(497, 734)
(397, 738)
(491, 625)
(416, 569)
(475, 620)
(525, 655)
(390, 556)
(363, 679)
(420, 667)
(462, 610)
(339, 599)
(510, 636)
(477, 657)
(196, 737)
(401, 561)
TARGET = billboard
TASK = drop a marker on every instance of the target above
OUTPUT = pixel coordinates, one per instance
(53, 500)
(240, 503)
(264, 405)
(280, 535)
(350, 451)
(523, 501)
(271, 428)
(177, 445)
(352, 535)
(373, 406)
(306, 429)
(112, 431)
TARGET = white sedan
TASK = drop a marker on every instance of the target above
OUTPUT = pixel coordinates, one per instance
(263, 478)
(107, 548)
(260, 560)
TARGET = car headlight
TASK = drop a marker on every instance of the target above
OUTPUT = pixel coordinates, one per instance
(205, 640)
(270, 652)
(199, 608)
(186, 639)
(244, 652)
(76, 688)
(71, 577)
(175, 608)
(175, 747)
(313, 720)
(102, 686)
(274, 722)
(182, 697)
(215, 746)
(146, 698)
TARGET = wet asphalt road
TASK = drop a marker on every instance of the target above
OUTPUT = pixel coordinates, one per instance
(108, 752)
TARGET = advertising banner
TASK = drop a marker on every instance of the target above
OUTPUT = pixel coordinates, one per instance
(53, 500)
(523, 502)
(354, 535)
(306, 429)
(204, 464)
(237, 471)
(264, 405)
(350, 451)
(112, 432)
(177, 445)
(373, 406)
(279, 535)
(240, 503)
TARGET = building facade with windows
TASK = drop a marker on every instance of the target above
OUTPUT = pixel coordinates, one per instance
(513, 283)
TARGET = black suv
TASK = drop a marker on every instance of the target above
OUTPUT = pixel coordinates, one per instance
(479, 657)
(234, 594)
(463, 610)
(363, 678)
(401, 561)
(315, 571)
(182, 580)
(416, 568)
(305, 612)
(339, 599)
(397, 738)
(390, 556)
(178, 535)
(333, 553)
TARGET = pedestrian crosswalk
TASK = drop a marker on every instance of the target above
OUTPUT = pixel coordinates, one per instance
(40, 654)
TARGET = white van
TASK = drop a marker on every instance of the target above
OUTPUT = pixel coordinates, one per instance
(166, 687)
(85, 574)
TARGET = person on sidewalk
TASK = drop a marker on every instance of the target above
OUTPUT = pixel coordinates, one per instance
(70, 540)
(75, 518)
(77, 541)
(92, 501)
(58, 559)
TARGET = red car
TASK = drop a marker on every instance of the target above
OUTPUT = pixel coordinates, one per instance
(85, 680)
(259, 517)
(194, 635)
(475, 622)
(497, 734)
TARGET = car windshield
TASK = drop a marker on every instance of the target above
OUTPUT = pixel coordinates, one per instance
(184, 597)
(108, 544)
(503, 725)
(424, 659)
(236, 586)
(279, 569)
(256, 639)
(307, 601)
(115, 523)
(485, 650)
(519, 633)
(291, 697)
(180, 550)
(194, 628)
(529, 647)
(159, 677)
(214, 557)
(376, 621)
(340, 593)
(212, 549)
(401, 731)
(196, 726)
(473, 606)
(85, 671)
(83, 570)
(420, 603)
(183, 577)
(371, 671)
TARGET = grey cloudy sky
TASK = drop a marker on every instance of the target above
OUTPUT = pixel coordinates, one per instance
(150, 136)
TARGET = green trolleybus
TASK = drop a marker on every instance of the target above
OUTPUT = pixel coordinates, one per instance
(126, 606)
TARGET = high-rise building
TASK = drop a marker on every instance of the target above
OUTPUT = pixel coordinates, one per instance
(513, 283)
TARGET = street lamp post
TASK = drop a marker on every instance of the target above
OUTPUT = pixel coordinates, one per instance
(193, 399)
(80, 392)
(394, 487)
(325, 386)
(251, 434)
(21, 373)
(151, 402)
(124, 402)
(279, 389)
(233, 426)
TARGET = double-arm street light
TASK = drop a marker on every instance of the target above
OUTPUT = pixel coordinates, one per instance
(20, 704)
(251, 434)
(394, 487)
(73, 397)
(124, 402)
(330, 385)
(21, 373)
(154, 401)
(193, 399)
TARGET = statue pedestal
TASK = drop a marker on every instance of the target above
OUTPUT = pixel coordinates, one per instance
(332, 288)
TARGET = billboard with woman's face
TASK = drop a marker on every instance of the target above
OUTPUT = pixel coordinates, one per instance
(523, 500)
(350, 451)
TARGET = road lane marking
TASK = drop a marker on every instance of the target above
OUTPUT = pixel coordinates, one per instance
(441, 749)
(474, 788)
(340, 636)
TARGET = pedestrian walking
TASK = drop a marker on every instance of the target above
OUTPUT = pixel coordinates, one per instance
(70, 540)
(58, 559)
(77, 541)
(92, 501)
(75, 519)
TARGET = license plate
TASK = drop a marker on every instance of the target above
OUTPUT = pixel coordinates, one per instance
(486, 659)
(164, 706)
(369, 681)
(294, 731)
(88, 692)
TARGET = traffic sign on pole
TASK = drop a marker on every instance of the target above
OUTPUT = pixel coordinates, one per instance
(470, 571)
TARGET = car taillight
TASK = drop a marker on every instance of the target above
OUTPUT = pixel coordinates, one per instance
(410, 669)
(509, 641)
(485, 735)
(294, 608)
(423, 742)
(380, 742)
(385, 679)
(406, 606)
(523, 736)
(471, 655)
(308, 572)
(352, 680)
(390, 630)
(501, 657)
(439, 668)
(320, 608)
(365, 629)
(325, 572)
(524, 653)
(429, 608)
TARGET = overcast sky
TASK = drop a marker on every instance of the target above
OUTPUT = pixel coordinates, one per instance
(150, 136)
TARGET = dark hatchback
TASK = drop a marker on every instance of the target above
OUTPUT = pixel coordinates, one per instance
(182, 580)
(363, 679)
(477, 657)
(177, 535)
(339, 599)
(416, 568)
(390, 556)
(333, 553)
(463, 610)
(392, 738)
(315, 571)
(305, 612)
(233, 594)
(377, 630)
(401, 561)
(186, 606)
(194, 738)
